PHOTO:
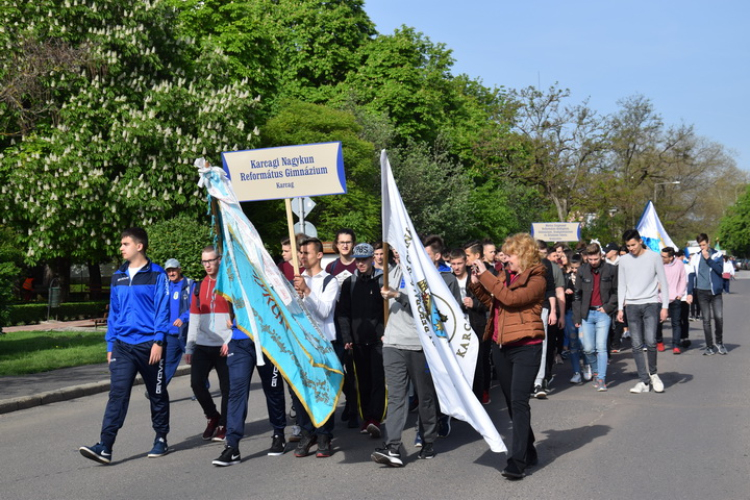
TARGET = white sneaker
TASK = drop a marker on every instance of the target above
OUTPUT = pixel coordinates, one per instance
(656, 383)
(587, 375)
(640, 388)
(577, 379)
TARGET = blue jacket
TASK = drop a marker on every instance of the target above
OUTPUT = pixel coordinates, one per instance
(138, 310)
(715, 263)
(181, 292)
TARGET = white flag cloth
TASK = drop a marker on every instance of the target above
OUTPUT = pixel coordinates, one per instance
(652, 232)
(450, 346)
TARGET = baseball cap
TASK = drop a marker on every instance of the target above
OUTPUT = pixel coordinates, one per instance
(363, 251)
(172, 264)
(610, 247)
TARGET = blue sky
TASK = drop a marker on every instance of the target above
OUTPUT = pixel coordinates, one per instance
(690, 58)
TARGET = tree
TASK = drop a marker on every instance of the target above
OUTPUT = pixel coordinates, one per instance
(180, 238)
(10, 260)
(305, 123)
(734, 228)
(119, 111)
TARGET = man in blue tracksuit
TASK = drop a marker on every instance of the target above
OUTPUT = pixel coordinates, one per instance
(137, 326)
(180, 293)
(705, 284)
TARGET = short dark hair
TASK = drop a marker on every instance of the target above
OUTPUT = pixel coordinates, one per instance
(575, 258)
(457, 253)
(680, 253)
(488, 241)
(668, 250)
(313, 241)
(211, 248)
(435, 242)
(475, 247)
(138, 235)
(560, 244)
(631, 234)
(702, 237)
(542, 245)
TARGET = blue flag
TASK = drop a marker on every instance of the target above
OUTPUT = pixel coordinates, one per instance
(267, 307)
(651, 230)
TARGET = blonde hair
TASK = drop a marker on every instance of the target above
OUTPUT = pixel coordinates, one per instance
(525, 247)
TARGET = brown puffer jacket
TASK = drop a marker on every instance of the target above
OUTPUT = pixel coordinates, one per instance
(520, 304)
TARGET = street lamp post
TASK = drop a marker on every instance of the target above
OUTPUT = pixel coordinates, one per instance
(662, 183)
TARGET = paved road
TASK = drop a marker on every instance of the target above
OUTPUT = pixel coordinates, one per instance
(689, 443)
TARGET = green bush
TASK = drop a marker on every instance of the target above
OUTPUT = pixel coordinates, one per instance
(9, 257)
(181, 238)
(29, 314)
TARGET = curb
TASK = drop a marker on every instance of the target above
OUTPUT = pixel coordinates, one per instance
(72, 392)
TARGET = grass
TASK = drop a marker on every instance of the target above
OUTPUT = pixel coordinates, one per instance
(22, 353)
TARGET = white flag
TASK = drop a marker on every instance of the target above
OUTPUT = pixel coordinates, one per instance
(449, 344)
(651, 230)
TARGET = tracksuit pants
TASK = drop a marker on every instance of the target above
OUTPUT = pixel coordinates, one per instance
(126, 362)
(241, 361)
(205, 359)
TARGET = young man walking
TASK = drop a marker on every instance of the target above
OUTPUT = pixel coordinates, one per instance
(208, 345)
(359, 315)
(136, 329)
(675, 271)
(640, 275)
(180, 293)
(706, 284)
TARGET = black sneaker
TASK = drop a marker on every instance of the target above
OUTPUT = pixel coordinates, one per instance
(427, 452)
(324, 446)
(444, 426)
(304, 445)
(387, 456)
(278, 445)
(97, 453)
(230, 456)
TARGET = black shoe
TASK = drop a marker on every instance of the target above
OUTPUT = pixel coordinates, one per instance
(389, 456)
(278, 445)
(686, 343)
(324, 446)
(230, 456)
(304, 445)
(353, 422)
(444, 426)
(427, 451)
(511, 472)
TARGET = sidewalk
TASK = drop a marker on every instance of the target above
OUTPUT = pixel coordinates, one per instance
(25, 391)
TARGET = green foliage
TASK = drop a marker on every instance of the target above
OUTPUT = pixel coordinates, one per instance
(22, 353)
(31, 314)
(119, 109)
(734, 228)
(10, 259)
(359, 209)
(180, 238)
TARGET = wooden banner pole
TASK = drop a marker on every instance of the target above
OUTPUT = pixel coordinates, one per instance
(292, 237)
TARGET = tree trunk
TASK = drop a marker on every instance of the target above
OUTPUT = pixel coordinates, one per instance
(59, 268)
(95, 282)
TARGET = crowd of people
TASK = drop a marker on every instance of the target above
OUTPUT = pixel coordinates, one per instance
(531, 305)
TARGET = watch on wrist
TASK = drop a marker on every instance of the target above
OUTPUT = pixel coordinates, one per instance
(160, 343)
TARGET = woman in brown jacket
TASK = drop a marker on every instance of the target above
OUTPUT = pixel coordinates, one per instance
(515, 299)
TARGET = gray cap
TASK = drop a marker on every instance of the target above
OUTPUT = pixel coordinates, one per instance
(172, 264)
(363, 251)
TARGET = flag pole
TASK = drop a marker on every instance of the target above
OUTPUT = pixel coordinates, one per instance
(386, 310)
(292, 237)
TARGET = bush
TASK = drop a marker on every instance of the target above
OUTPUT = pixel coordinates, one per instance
(30, 314)
(181, 238)
(9, 257)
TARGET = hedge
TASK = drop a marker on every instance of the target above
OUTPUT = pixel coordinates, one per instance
(29, 314)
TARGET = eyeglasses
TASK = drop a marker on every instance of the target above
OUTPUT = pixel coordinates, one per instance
(207, 262)
(347, 243)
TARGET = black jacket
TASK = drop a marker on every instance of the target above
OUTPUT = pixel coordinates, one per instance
(359, 312)
(585, 286)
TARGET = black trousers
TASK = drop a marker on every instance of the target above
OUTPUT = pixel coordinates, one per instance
(370, 377)
(205, 359)
(517, 368)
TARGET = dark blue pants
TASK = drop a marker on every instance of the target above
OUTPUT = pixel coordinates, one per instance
(174, 348)
(675, 311)
(242, 360)
(128, 360)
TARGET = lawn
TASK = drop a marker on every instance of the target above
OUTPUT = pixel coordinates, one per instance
(38, 351)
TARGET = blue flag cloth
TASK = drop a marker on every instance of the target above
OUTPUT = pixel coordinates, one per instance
(651, 230)
(268, 309)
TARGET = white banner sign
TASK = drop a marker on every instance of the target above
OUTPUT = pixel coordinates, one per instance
(286, 172)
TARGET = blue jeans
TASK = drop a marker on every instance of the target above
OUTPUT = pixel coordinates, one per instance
(642, 321)
(712, 305)
(241, 361)
(573, 342)
(595, 333)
